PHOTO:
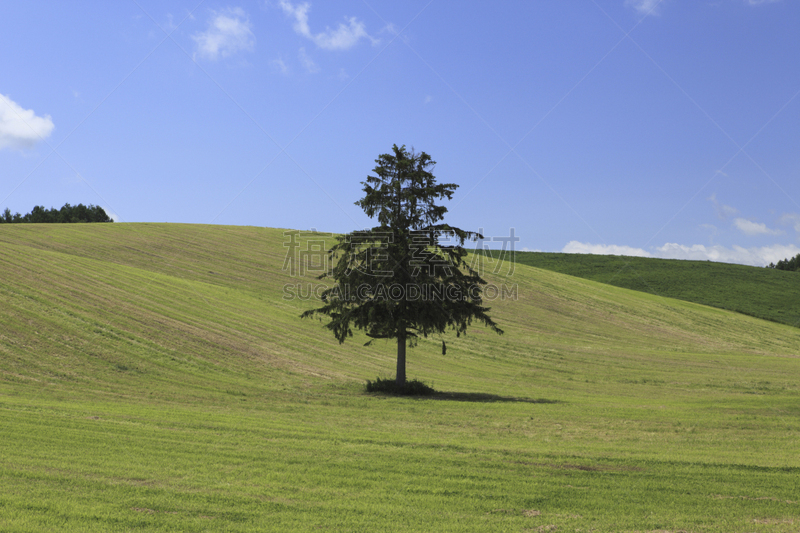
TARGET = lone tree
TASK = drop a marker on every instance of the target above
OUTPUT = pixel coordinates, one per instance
(399, 280)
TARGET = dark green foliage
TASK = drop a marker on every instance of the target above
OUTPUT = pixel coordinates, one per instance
(404, 253)
(67, 214)
(760, 292)
(792, 265)
(390, 386)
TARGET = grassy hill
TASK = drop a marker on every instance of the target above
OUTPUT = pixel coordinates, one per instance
(760, 292)
(154, 377)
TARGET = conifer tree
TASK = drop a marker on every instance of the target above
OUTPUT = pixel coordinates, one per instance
(406, 277)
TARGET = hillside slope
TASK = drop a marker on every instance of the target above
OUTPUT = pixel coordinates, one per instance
(760, 292)
(153, 376)
(180, 301)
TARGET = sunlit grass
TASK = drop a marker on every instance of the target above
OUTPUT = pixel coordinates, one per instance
(760, 292)
(152, 377)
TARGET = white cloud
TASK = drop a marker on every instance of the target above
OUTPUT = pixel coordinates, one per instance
(791, 219)
(722, 211)
(749, 227)
(645, 7)
(756, 256)
(280, 65)
(112, 215)
(760, 2)
(341, 38)
(306, 61)
(21, 128)
(428, 99)
(575, 247)
(170, 25)
(759, 256)
(711, 228)
(228, 32)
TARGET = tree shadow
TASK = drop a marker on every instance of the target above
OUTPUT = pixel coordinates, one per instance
(482, 397)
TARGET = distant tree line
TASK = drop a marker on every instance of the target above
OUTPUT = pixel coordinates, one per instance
(67, 214)
(792, 264)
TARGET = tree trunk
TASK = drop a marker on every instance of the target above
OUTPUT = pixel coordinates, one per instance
(401, 360)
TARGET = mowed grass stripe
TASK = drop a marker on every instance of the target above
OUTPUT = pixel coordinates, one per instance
(325, 479)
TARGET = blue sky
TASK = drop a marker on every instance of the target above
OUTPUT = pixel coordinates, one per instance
(668, 129)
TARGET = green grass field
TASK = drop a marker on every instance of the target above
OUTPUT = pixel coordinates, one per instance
(153, 378)
(760, 292)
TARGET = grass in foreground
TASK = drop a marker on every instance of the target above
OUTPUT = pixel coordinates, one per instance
(152, 377)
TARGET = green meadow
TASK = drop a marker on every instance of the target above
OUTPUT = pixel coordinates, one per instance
(156, 377)
(760, 292)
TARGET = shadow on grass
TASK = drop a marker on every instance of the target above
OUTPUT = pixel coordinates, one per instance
(483, 397)
(416, 389)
